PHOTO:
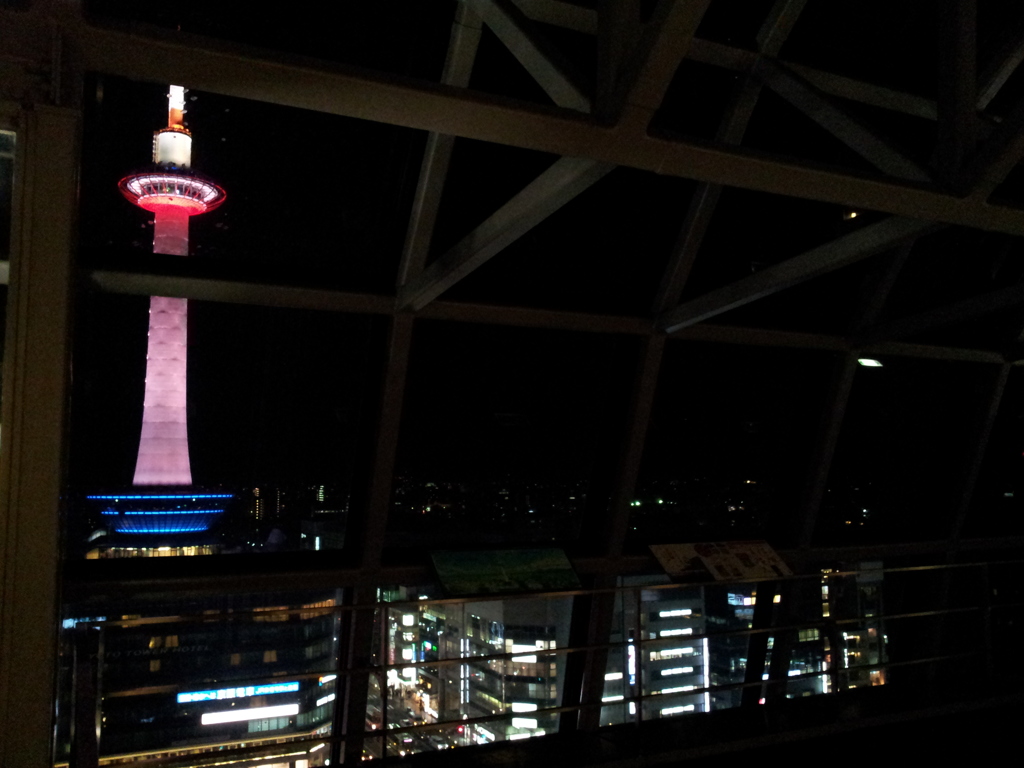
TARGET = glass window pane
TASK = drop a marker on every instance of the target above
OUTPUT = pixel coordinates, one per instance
(996, 507)
(728, 444)
(502, 432)
(898, 469)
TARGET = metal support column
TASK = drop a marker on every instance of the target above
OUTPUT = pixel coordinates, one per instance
(35, 388)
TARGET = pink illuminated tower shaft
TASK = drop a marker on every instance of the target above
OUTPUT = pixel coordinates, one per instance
(163, 446)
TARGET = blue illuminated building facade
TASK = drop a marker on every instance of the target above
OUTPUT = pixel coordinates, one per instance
(161, 513)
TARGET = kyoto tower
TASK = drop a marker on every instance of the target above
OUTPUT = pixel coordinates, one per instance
(173, 192)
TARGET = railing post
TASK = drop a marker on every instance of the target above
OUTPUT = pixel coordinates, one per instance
(757, 649)
(86, 709)
(358, 657)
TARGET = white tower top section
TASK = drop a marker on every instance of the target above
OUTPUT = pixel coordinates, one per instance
(172, 146)
(176, 99)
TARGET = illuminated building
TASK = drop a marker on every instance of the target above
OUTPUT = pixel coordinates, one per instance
(181, 691)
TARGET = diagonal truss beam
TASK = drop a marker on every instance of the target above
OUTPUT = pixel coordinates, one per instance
(851, 248)
(563, 14)
(618, 32)
(559, 13)
(958, 83)
(437, 155)
(996, 157)
(833, 119)
(1002, 64)
(742, 60)
(983, 424)
(844, 371)
(776, 28)
(664, 44)
(559, 184)
(770, 38)
(879, 286)
(638, 419)
(552, 71)
(265, 77)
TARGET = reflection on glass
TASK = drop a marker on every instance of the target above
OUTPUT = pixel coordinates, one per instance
(438, 697)
(189, 677)
(688, 651)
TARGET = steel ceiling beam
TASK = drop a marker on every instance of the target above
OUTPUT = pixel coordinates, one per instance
(221, 68)
(930, 352)
(437, 155)
(957, 66)
(849, 249)
(238, 292)
(837, 122)
(529, 317)
(545, 63)
(743, 60)
(559, 184)
(770, 37)
(961, 311)
(261, 294)
(569, 16)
